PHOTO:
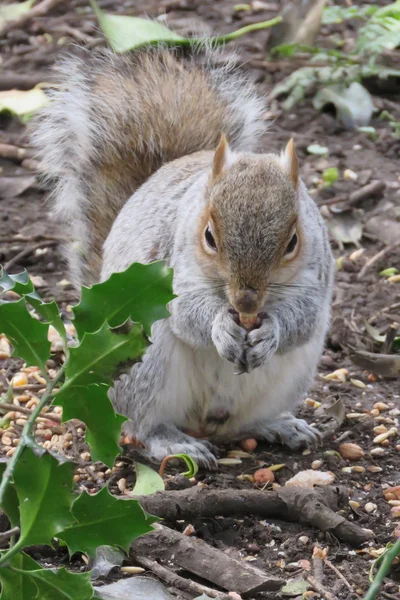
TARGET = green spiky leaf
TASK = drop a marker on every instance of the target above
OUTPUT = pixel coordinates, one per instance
(28, 336)
(147, 481)
(21, 284)
(25, 579)
(103, 519)
(99, 356)
(10, 501)
(92, 405)
(43, 487)
(140, 293)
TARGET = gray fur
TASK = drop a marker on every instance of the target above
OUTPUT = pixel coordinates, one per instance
(187, 382)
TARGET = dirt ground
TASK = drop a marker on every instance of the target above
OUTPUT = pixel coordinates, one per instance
(29, 239)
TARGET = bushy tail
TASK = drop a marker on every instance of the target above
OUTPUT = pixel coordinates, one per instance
(115, 119)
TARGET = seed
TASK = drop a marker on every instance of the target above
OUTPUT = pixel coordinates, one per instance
(47, 444)
(21, 422)
(55, 439)
(354, 504)
(189, 530)
(19, 380)
(394, 279)
(10, 452)
(38, 378)
(85, 456)
(351, 451)
(263, 476)
(381, 406)
(303, 539)
(32, 403)
(132, 570)
(356, 415)
(374, 469)
(312, 403)
(385, 443)
(358, 469)
(316, 464)
(380, 429)
(245, 477)
(358, 383)
(377, 452)
(395, 511)
(338, 375)
(384, 436)
(5, 349)
(15, 442)
(370, 507)
(121, 484)
(394, 502)
(77, 478)
(374, 412)
(6, 449)
(6, 440)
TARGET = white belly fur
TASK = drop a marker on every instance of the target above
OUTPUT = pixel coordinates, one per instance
(199, 381)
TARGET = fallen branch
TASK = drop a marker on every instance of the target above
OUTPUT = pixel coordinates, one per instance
(374, 188)
(291, 504)
(385, 365)
(26, 411)
(318, 587)
(198, 557)
(374, 259)
(36, 11)
(26, 251)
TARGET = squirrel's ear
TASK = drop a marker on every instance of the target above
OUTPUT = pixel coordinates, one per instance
(290, 163)
(223, 157)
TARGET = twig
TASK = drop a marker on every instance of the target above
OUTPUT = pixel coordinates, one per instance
(8, 534)
(26, 411)
(374, 259)
(24, 441)
(383, 570)
(370, 189)
(36, 11)
(22, 81)
(339, 574)
(29, 250)
(175, 580)
(318, 587)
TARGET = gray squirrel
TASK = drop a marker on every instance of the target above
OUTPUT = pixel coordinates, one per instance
(152, 157)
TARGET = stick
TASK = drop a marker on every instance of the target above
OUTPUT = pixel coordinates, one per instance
(174, 580)
(27, 411)
(8, 534)
(36, 11)
(29, 250)
(374, 259)
(339, 574)
(19, 81)
(371, 189)
(198, 557)
(318, 587)
(314, 507)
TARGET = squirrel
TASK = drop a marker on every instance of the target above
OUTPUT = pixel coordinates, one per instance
(154, 156)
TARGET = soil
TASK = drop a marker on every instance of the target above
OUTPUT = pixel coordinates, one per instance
(29, 239)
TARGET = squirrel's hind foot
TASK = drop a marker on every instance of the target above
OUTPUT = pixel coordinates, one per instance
(167, 440)
(288, 430)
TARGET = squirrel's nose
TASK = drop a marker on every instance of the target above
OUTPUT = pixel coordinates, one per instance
(246, 301)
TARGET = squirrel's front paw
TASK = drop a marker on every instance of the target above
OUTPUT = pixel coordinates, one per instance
(229, 338)
(262, 343)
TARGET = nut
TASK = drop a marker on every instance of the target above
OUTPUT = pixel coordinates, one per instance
(351, 451)
(248, 445)
(370, 507)
(263, 476)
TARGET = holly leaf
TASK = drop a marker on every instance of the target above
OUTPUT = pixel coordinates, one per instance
(15, 581)
(103, 519)
(147, 481)
(20, 283)
(27, 580)
(140, 293)
(10, 501)
(43, 487)
(28, 335)
(92, 405)
(99, 356)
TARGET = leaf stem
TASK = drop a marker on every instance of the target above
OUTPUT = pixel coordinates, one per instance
(223, 39)
(8, 473)
(383, 570)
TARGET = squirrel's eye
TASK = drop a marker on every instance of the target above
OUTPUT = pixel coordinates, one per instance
(291, 247)
(210, 239)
